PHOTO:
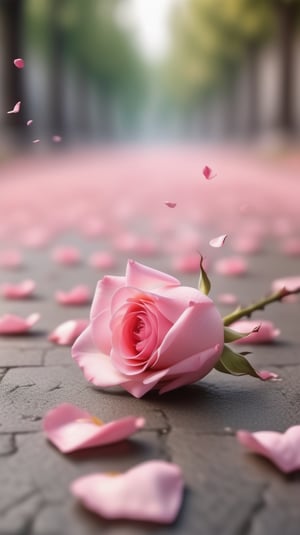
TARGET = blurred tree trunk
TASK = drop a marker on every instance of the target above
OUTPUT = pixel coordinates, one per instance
(11, 15)
(56, 69)
(287, 16)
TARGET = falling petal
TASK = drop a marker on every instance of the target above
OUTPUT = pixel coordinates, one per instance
(219, 241)
(283, 449)
(66, 333)
(70, 428)
(208, 173)
(16, 108)
(35, 141)
(266, 332)
(155, 489)
(56, 139)
(12, 324)
(170, 204)
(19, 63)
(79, 295)
(29, 122)
(18, 291)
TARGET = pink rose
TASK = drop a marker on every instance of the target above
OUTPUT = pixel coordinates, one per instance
(147, 331)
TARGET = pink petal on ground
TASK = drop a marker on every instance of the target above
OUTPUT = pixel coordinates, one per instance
(227, 299)
(10, 258)
(266, 332)
(208, 173)
(187, 263)
(283, 449)
(219, 241)
(290, 283)
(68, 256)
(18, 291)
(170, 204)
(12, 324)
(151, 491)
(70, 428)
(66, 333)
(79, 295)
(231, 266)
(247, 244)
(265, 375)
(35, 141)
(16, 108)
(102, 260)
(29, 122)
(19, 63)
(56, 139)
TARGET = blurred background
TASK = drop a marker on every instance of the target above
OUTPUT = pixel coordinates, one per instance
(159, 70)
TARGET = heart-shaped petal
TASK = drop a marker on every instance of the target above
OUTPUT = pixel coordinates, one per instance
(283, 449)
(150, 491)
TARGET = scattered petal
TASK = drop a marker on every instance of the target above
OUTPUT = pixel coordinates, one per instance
(265, 375)
(266, 332)
(29, 122)
(227, 299)
(151, 491)
(170, 204)
(283, 449)
(208, 173)
(18, 291)
(102, 260)
(56, 139)
(36, 141)
(79, 295)
(66, 333)
(291, 284)
(67, 256)
(70, 428)
(16, 108)
(19, 63)
(231, 266)
(188, 263)
(219, 241)
(10, 258)
(12, 324)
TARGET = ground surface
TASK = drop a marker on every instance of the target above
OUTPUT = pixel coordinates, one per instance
(228, 491)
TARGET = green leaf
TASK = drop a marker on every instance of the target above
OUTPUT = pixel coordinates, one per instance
(235, 364)
(230, 335)
(204, 282)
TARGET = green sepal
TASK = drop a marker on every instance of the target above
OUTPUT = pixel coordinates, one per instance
(230, 335)
(204, 283)
(235, 364)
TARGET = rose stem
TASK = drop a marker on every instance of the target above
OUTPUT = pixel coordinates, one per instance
(259, 305)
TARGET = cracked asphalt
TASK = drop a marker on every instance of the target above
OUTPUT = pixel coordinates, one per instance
(227, 490)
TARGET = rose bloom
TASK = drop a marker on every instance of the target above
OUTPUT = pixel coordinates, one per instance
(147, 331)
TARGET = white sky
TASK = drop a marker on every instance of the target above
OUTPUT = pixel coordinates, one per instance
(150, 19)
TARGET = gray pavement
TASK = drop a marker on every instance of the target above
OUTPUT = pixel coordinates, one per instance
(227, 490)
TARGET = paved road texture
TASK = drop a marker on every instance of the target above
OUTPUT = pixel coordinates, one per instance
(228, 491)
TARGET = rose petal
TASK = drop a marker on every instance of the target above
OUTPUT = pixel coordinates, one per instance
(208, 173)
(70, 428)
(79, 295)
(56, 139)
(290, 283)
(19, 63)
(283, 449)
(231, 266)
(265, 375)
(12, 324)
(18, 291)
(66, 333)
(102, 260)
(151, 491)
(145, 277)
(35, 141)
(170, 204)
(29, 122)
(219, 241)
(187, 263)
(67, 256)
(266, 332)
(227, 299)
(16, 108)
